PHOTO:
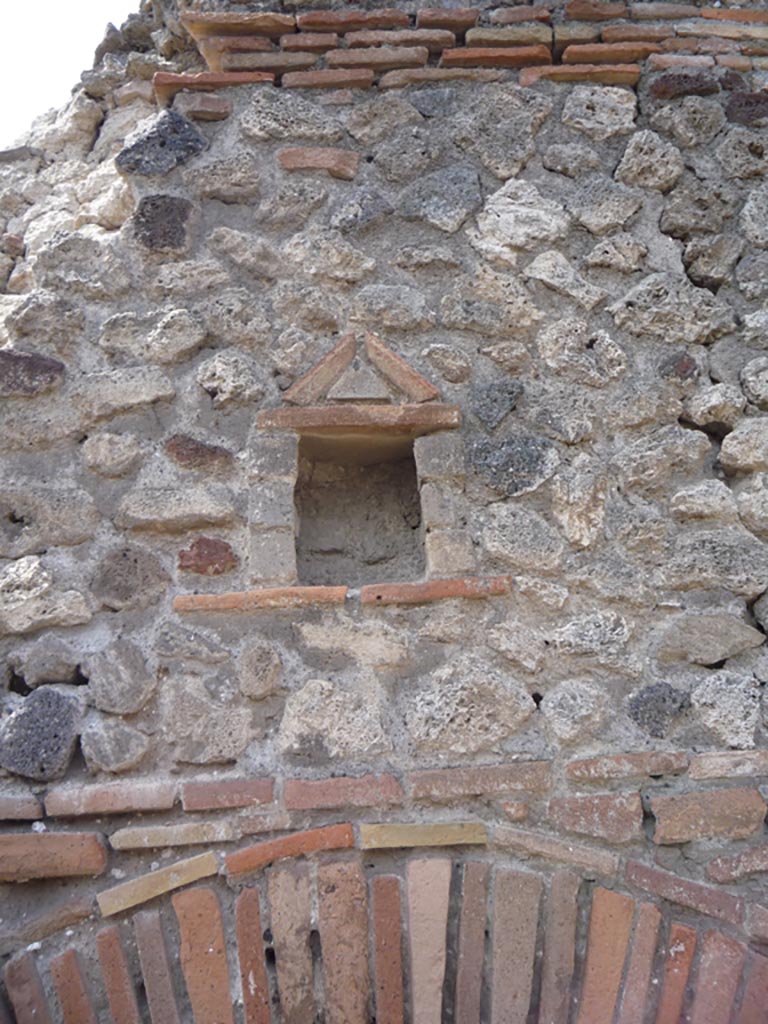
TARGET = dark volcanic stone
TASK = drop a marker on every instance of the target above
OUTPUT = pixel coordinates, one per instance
(38, 739)
(360, 209)
(160, 222)
(169, 141)
(514, 465)
(683, 83)
(443, 199)
(750, 108)
(655, 708)
(129, 577)
(27, 374)
(492, 402)
(680, 368)
(193, 454)
(208, 557)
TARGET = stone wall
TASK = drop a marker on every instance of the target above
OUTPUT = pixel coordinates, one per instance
(384, 448)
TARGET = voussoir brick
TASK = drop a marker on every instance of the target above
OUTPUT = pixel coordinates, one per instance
(681, 946)
(429, 881)
(386, 913)
(71, 990)
(250, 947)
(342, 897)
(203, 955)
(471, 951)
(116, 974)
(326, 794)
(517, 895)
(610, 927)
(25, 990)
(110, 798)
(290, 896)
(560, 924)
(637, 983)
(155, 967)
(253, 858)
(720, 966)
(220, 794)
(752, 1009)
(28, 855)
(708, 814)
(616, 817)
(338, 163)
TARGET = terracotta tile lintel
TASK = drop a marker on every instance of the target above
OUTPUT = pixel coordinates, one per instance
(436, 590)
(263, 598)
(200, 25)
(167, 83)
(411, 420)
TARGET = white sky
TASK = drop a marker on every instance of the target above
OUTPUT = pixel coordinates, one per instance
(47, 46)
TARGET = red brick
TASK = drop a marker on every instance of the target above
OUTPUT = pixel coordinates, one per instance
(436, 590)
(407, 420)
(663, 61)
(361, 78)
(604, 74)
(435, 40)
(471, 951)
(677, 966)
(208, 556)
(429, 883)
(609, 53)
(216, 794)
(290, 910)
(720, 966)
(253, 858)
(202, 106)
(691, 45)
(155, 968)
(324, 794)
(734, 61)
(458, 20)
(728, 764)
(313, 385)
(626, 766)
(636, 33)
(343, 920)
(539, 844)
(20, 808)
(694, 895)
(47, 919)
(378, 58)
(314, 42)
(386, 914)
(398, 371)
(351, 21)
(610, 926)
(339, 163)
(447, 784)
(515, 15)
(637, 983)
(752, 1010)
(708, 814)
(168, 83)
(25, 855)
(253, 971)
(69, 983)
(757, 921)
(277, 62)
(734, 14)
(116, 973)
(560, 923)
(496, 57)
(203, 955)
(267, 23)
(617, 817)
(595, 10)
(740, 865)
(212, 48)
(110, 798)
(653, 11)
(515, 810)
(25, 990)
(267, 598)
(516, 913)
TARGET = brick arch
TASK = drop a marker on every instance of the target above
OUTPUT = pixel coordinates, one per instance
(424, 935)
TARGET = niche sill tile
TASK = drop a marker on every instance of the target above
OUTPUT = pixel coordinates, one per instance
(436, 590)
(266, 598)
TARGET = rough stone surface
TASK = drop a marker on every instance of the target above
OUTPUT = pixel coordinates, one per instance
(129, 576)
(158, 147)
(118, 678)
(573, 710)
(650, 162)
(516, 217)
(38, 739)
(671, 309)
(521, 539)
(27, 374)
(514, 465)
(161, 223)
(729, 706)
(443, 199)
(656, 708)
(600, 112)
(112, 746)
(29, 601)
(324, 721)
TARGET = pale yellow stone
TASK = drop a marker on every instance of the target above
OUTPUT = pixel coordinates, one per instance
(139, 890)
(153, 836)
(457, 833)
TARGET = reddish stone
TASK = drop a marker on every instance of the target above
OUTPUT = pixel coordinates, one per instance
(594, 10)
(515, 920)
(343, 919)
(457, 20)
(436, 590)
(677, 966)
(253, 971)
(290, 916)
(361, 78)
(339, 163)
(379, 58)
(637, 983)
(193, 454)
(208, 556)
(560, 923)
(12, 245)
(610, 926)
(626, 766)
(69, 983)
(694, 895)
(202, 106)
(217, 794)
(253, 858)
(752, 1010)
(609, 53)
(387, 949)
(398, 371)
(750, 108)
(429, 883)
(325, 794)
(446, 784)
(496, 57)
(757, 921)
(469, 965)
(351, 21)
(25, 374)
(110, 798)
(616, 817)
(683, 83)
(25, 990)
(118, 982)
(515, 810)
(708, 814)
(20, 808)
(604, 74)
(720, 966)
(203, 955)
(155, 968)
(25, 855)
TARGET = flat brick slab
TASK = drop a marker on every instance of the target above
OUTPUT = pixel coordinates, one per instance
(168, 83)
(472, 587)
(27, 855)
(24, 807)
(708, 814)
(615, 817)
(146, 887)
(201, 25)
(218, 794)
(254, 858)
(612, 767)
(256, 600)
(446, 784)
(496, 57)
(109, 798)
(327, 78)
(460, 833)
(602, 74)
(409, 420)
(703, 898)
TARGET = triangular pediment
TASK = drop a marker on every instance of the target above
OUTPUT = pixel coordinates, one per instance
(361, 371)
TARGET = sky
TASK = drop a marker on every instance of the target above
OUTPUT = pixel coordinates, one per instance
(48, 45)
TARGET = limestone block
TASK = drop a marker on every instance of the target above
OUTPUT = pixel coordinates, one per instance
(521, 539)
(34, 518)
(650, 162)
(443, 198)
(29, 601)
(328, 721)
(112, 455)
(574, 710)
(600, 111)
(129, 576)
(112, 746)
(175, 509)
(728, 704)
(260, 669)
(203, 731)
(119, 680)
(273, 114)
(705, 638)
(230, 379)
(669, 308)
(518, 217)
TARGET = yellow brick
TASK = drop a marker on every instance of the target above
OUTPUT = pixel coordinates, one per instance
(459, 833)
(139, 890)
(152, 837)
